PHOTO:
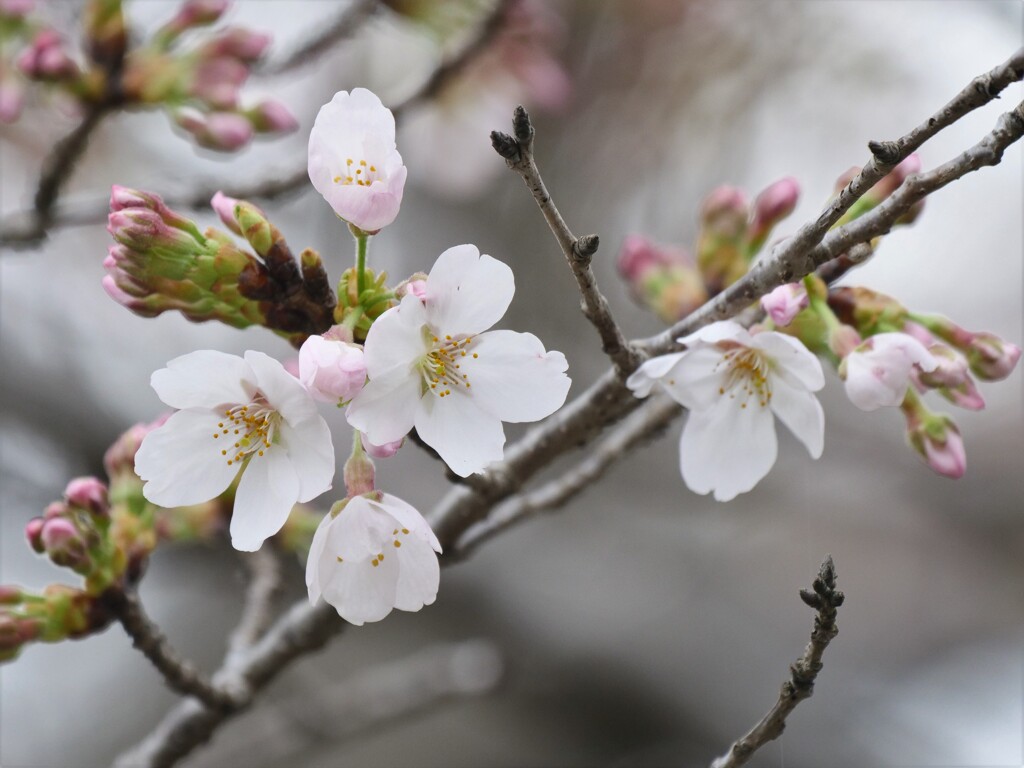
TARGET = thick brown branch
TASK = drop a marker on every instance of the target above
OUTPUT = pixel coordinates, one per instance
(179, 674)
(578, 251)
(825, 599)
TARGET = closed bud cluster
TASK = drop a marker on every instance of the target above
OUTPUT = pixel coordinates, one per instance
(868, 311)
(936, 439)
(989, 357)
(162, 262)
(192, 13)
(16, 10)
(59, 613)
(119, 460)
(47, 58)
(663, 279)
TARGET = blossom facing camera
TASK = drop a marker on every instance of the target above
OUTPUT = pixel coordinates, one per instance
(372, 554)
(332, 370)
(433, 365)
(734, 383)
(353, 161)
(877, 373)
(244, 417)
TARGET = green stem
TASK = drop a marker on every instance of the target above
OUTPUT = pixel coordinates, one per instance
(388, 296)
(361, 244)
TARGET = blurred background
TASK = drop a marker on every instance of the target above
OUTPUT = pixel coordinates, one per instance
(642, 625)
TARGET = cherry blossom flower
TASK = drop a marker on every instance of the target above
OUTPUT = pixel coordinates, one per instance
(331, 369)
(236, 416)
(877, 373)
(434, 366)
(353, 161)
(372, 554)
(733, 382)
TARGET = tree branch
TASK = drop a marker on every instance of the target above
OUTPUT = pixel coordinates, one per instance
(264, 569)
(518, 153)
(825, 599)
(180, 675)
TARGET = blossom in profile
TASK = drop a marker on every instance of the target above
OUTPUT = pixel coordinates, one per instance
(785, 303)
(371, 554)
(878, 372)
(433, 365)
(734, 384)
(244, 418)
(353, 161)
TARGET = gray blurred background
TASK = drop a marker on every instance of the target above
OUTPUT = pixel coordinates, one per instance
(642, 625)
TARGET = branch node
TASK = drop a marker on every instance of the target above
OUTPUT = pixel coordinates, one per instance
(522, 126)
(506, 146)
(885, 152)
(585, 247)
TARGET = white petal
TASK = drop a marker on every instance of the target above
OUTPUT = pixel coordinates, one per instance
(181, 461)
(793, 361)
(727, 449)
(698, 379)
(396, 339)
(317, 552)
(513, 378)
(802, 414)
(409, 518)
(876, 379)
(641, 382)
(466, 437)
(311, 453)
(284, 392)
(266, 494)
(360, 531)
(467, 293)
(419, 574)
(204, 379)
(384, 410)
(362, 592)
(908, 346)
(723, 330)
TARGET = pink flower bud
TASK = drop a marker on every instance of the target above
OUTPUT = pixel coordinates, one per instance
(16, 9)
(965, 395)
(218, 81)
(416, 285)
(950, 369)
(843, 340)
(120, 456)
(332, 371)
(46, 58)
(725, 212)
(224, 207)
(272, 117)
(142, 229)
(237, 43)
(225, 131)
(639, 255)
(990, 357)
(196, 13)
(57, 532)
(10, 594)
(943, 449)
(87, 493)
(918, 332)
(784, 303)
(33, 532)
(774, 204)
(385, 451)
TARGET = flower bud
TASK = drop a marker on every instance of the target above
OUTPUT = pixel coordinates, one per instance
(63, 543)
(784, 303)
(223, 131)
(144, 230)
(385, 451)
(725, 212)
(105, 34)
(774, 204)
(416, 285)
(88, 493)
(359, 473)
(237, 43)
(272, 116)
(34, 534)
(15, 10)
(332, 371)
(254, 226)
(990, 357)
(46, 58)
(721, 245)
(965, 395)
(639, 255)
(218, 82)
(950, 370)
(194, 13)
(119, 460)
(15, 632)
(938, 441)
(224, 207)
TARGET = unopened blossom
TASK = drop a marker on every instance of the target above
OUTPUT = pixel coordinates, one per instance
(246, 417)
(385, 451)
(353, 161)
(877, 373)
(785, 303)
(734, 384)
(936, 438)
(433, 365)
(372, 554)
(331, 369)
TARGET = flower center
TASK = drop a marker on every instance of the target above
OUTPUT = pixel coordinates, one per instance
(253, 428)
(358, 173)
(747, 376)
(442, 367)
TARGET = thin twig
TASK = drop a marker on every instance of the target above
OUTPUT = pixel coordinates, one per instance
(825, 599)
(179, 674)
(344, 26)
(638, 427)
(578, 251)
(264, 568)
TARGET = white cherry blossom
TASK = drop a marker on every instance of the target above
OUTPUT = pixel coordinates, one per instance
(236, 415)
(433, 365)
(373, 555)
(877, 373)
(353, 161)
(734, 384)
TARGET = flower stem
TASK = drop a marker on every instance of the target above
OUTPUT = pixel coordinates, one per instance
(361, 244)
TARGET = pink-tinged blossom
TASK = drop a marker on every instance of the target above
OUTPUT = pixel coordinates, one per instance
(239, 418)
(332, 370)
(224, 207)
(990, 357)
(771, 206)
(785, 303)
(218, 81)
(385, 451)
(433, 365)
(88, 493)
(46, 58)
(640, 255)
(237, 43)
(877, 373)
(16, 9)
(937, 440)
(372, 554)
(353, 161)
(272, 116)
(224, 131)
(735, 384)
